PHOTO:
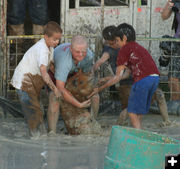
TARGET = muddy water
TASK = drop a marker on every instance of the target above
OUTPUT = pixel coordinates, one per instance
(63, 151)
(56, 153)
(17, 151)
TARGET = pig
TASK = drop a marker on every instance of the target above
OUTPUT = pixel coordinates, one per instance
(79, 120)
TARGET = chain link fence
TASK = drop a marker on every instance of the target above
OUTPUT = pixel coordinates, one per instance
(18, 45)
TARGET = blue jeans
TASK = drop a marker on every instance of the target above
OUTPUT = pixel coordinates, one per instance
(37, 10)
(25, 103)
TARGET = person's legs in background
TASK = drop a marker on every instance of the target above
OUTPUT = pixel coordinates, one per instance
(38, 12)
(162, 105)
(16, 13)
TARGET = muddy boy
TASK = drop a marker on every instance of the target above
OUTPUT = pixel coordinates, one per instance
(143, 69)
(31, 75)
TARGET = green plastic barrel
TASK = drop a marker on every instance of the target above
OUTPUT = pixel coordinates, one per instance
(131, 148)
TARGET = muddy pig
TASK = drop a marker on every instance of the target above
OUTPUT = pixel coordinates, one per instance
(79, 120)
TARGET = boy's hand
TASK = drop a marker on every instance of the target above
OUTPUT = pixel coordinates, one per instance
(102, 80)
(85, 104)
(95, 91)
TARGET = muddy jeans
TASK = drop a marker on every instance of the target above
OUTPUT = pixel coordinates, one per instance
(31, 109)
(37, 9)
(25, 103)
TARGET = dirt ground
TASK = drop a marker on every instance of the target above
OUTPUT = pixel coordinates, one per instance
(65, 151)
(151, 122)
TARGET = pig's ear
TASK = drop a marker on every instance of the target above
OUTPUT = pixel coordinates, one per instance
(74, 82)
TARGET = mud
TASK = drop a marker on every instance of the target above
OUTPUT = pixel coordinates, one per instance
(85, 151)
(66, 151)
(32, 84)
(79, 120)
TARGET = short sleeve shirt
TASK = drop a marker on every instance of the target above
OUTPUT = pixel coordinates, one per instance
(39, 54)
(64, 63)
(113, 53)
(138, 60)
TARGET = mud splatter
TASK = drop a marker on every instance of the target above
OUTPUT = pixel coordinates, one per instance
(32, 84)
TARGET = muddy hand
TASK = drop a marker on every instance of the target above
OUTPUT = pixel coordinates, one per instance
(101, 81)
(57, 93)
(86, 103)
(95, 91)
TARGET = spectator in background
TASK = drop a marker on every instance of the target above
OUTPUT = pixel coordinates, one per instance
(16, 14)
(54, 10)
(174, 67)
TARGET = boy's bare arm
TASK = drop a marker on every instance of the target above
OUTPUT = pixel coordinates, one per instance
(100, 61)
(48, 81)
(126, 73)
(104, 79)
(114, 79)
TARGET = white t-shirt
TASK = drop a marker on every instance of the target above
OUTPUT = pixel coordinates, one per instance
(39, 54)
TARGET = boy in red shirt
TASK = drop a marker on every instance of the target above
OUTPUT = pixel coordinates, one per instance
(143, 69)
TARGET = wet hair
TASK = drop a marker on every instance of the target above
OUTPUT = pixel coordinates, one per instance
(127, 30)
(52, 27)
(108, 33)
(78, 40)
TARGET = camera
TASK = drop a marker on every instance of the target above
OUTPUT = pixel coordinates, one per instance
(164, 59)
(168, 48)
(176, 6)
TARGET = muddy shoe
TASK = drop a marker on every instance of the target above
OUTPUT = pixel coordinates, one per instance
(52, 134)
(166, 123)
(122, 119)
(34, 134)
